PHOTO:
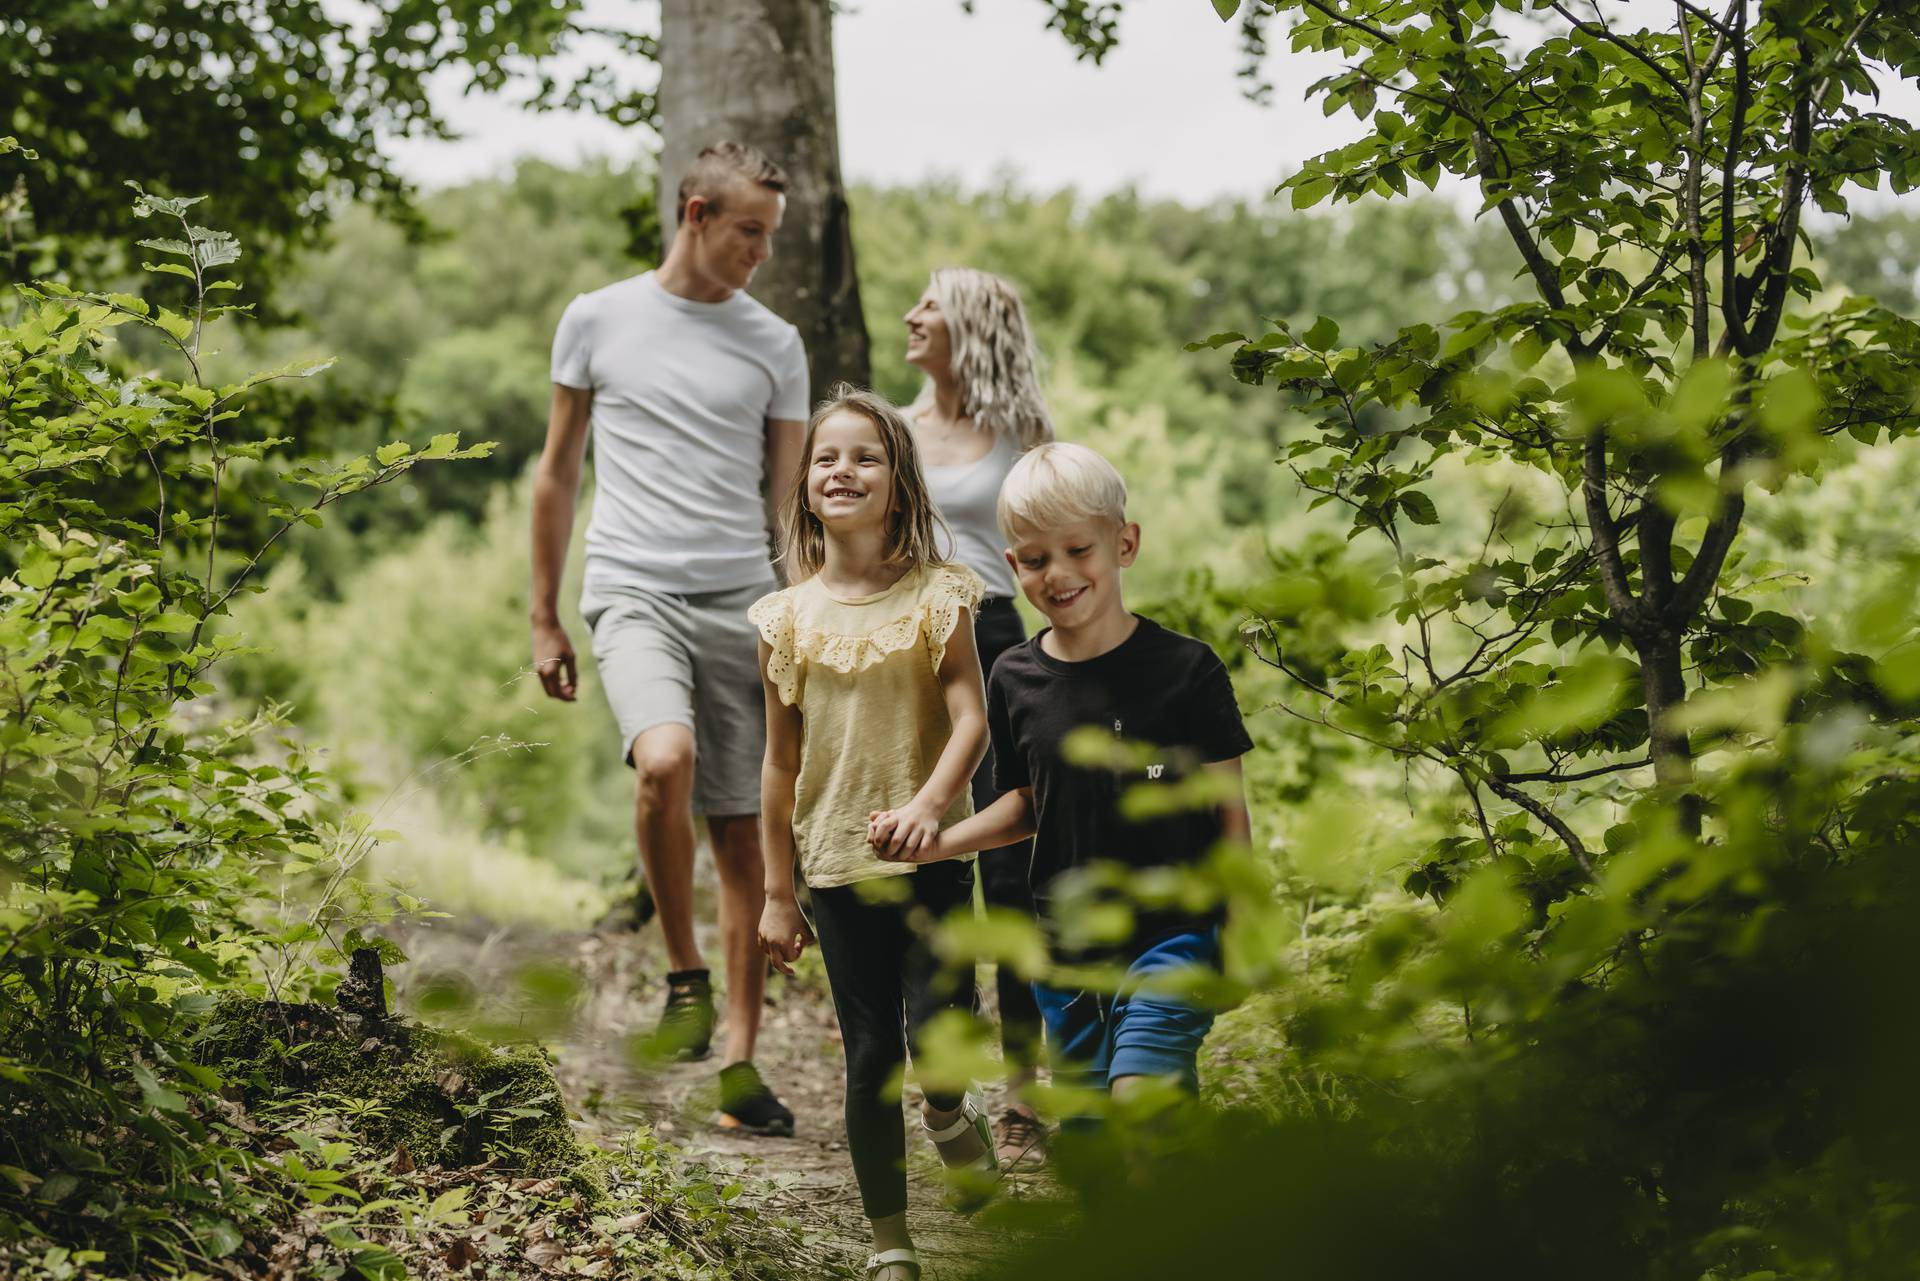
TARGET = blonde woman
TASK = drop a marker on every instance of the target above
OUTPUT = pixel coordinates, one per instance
(980, 410)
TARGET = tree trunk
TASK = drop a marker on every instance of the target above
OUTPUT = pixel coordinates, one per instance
(761, 72)
(1665, 689)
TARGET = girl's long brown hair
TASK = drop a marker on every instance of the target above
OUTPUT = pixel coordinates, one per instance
(911, 538)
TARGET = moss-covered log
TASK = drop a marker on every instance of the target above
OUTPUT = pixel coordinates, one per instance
(447, 1098)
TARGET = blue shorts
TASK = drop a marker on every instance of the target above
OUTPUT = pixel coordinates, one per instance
(1096, 1037)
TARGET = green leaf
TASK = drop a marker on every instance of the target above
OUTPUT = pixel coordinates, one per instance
(1321, 335)
(1419, 508)
(22, 1180)
(377, 1263)
(1226, 9)
(174, 323)
(447, 1206)
(1308, 194)
(1213, 342)
(157, 1095)
(218, 1237)
(179, 248)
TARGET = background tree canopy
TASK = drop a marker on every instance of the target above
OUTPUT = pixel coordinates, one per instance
(281, 107)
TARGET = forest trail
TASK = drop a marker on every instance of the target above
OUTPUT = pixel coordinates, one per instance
(622, 986)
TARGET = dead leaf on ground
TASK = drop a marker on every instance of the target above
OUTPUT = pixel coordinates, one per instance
(402, 1162)
(235, 1114)
(450, 1082)
(462, 1254)
(543, 1251)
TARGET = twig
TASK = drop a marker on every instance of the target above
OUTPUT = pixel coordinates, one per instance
(1549, 818)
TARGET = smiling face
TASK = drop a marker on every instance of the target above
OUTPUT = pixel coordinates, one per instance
(929, 341)
(849, 475)
(1071, 573)
(734, 235)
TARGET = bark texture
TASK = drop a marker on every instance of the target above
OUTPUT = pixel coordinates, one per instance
(761, 72)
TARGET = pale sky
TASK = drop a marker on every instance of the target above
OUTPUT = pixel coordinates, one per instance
(926, 89)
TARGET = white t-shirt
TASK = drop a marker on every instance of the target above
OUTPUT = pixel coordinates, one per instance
(968, 496)
(682, 392)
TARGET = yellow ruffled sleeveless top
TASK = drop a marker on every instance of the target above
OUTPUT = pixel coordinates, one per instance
(864, 672)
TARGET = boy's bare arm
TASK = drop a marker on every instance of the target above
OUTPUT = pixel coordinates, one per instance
(1237, 825)
(1009, 819)
(556, 488)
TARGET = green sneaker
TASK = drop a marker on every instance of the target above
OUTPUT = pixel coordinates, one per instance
(685, 1031)
(747, 1104)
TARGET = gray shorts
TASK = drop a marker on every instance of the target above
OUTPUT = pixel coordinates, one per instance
(691, 660)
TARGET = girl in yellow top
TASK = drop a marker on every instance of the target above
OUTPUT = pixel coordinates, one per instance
(875, 721)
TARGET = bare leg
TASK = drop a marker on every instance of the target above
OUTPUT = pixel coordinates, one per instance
(736, 856)
(663, 821)
(891, 1233)
(1019, 1077)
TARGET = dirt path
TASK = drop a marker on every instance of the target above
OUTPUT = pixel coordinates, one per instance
(621, 987)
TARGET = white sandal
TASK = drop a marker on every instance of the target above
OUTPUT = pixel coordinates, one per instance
(970, 1182)
(973, 1116)
(908, 1258)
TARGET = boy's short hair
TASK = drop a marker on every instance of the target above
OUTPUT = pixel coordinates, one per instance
(1058, 483)
(722, 164)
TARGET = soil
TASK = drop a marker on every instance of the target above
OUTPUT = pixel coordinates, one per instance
(617, 987)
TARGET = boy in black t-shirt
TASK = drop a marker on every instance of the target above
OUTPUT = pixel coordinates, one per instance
(1063, 511)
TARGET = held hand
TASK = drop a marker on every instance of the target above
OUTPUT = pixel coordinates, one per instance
(909, 834)
(554, 662)
(783, 933)
(880, 826)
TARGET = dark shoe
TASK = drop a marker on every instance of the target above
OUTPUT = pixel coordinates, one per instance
(1019, 1136)
(685, 1031)
(747, 1104)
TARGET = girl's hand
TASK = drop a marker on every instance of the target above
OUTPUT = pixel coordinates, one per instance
(783, 932)
(910, 834)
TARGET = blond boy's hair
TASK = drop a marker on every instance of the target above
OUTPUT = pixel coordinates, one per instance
(1058, 483)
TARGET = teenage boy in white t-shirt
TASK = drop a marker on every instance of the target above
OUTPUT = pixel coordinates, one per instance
(695, 396)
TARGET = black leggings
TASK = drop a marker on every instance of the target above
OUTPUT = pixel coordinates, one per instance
(886, 984)
(1004, 872)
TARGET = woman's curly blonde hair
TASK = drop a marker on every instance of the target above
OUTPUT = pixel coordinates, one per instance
(993, 356)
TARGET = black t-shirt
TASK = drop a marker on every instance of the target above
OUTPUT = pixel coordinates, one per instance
(1157, 688)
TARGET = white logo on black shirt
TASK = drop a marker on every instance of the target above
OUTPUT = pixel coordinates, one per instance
(1154, 771)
